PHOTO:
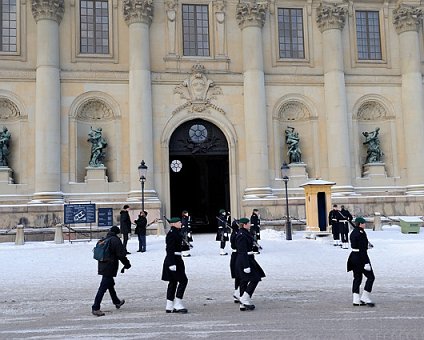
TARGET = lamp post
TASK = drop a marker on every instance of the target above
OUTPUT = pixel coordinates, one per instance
(142, 171)
(284, 173)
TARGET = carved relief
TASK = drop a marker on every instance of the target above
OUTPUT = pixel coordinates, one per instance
(137, 11)
(294, 110)
(94, 110)
(198, 91)
(407, 18)
(171, 5)
(371, 110)
(251, 13)
(331, 16)
(48, 9)
(8, 110)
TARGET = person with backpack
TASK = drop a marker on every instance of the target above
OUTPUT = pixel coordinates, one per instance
(108, 268)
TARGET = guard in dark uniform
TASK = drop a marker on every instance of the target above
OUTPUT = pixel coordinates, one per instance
(333, 220)
(222, 233)
(173, 269)
(360, 264)
(186, 232)
(247, 269)
(233, 236)
(344, 221)
(255, 229)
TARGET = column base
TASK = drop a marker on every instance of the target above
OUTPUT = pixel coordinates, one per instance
(255, 193)
(96, 175)
(47, 197)
(6, 175)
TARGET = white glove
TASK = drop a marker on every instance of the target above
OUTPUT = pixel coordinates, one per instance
(367, 267)
(247, 270)
(173, 268)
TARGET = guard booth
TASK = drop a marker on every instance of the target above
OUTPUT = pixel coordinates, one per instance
(317, 204)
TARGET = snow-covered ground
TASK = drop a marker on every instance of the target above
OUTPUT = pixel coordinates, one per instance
(41, 278)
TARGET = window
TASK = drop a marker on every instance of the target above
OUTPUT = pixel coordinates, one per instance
(290, 33)
(368, 35)
(94, 27)
(8, 32)
(195, 30)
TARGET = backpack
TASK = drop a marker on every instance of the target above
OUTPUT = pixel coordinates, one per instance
(101, 250)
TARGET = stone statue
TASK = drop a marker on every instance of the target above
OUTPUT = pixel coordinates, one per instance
(4, 146)
(374, 153)
(98, 144)
(292, 141)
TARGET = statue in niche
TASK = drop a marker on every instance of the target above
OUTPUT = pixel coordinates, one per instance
(374, 153)
(98, 144)
(293, 149)
(4, 146)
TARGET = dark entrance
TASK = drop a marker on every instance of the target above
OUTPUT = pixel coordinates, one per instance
(199, 173)
(322, 211)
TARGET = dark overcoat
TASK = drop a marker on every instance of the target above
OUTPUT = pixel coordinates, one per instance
(246, 259)
(174, 242)
(141, 225)
(116, 253)
(125, 222)
(223, 230)
(233, 258)
(358, 259)
(255, 226)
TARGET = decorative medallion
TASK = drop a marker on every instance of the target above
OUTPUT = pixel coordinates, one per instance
(294, 110)
(8, 110)
(94, 110)
(371, 110)
(176, 165)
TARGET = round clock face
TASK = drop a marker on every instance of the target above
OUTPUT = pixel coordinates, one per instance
(198, 133)
(176, 165)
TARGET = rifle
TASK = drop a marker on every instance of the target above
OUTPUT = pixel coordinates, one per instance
(255, 242)
(188, 244)
(226, 224)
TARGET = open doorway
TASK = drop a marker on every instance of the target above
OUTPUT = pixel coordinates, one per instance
(199, 173)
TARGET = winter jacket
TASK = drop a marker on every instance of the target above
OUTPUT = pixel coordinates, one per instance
(125, 222)
(116, 253)
(359, 255)
(174, 243)
(141, 224)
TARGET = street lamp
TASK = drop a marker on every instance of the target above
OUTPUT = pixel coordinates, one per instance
(142, 171)
(284, 173)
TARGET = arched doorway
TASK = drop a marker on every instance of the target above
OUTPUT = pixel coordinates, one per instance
(199, 173)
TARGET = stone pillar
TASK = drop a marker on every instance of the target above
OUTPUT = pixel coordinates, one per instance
(407, 20)
(138, 15)
(58, 234)
(48, 15)
(331, 20)
(377, 221)
(19, 237)
(251, 18)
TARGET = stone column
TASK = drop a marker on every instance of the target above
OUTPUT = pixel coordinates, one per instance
(331, 20)
(407, 20)
(48, 15)
(138, 15)
(251, 18)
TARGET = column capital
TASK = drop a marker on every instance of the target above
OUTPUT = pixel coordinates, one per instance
(251, 13)
(48, 9)
(331, 16)
(407, 18)
(138, 11)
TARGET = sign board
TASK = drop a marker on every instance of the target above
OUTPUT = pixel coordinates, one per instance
(80, 213)
(105, 217)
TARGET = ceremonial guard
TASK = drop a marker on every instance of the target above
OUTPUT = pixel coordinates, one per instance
(333, 220)
(173, 269)
(233, 236)
(222, 234)
(360, 264)
(345, 219)
(247, 269)
(255, 229)
(186, 232)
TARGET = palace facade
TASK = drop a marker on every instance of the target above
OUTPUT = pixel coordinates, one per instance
(203, 91)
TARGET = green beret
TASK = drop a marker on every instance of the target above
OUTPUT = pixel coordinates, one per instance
(359, 220)
(222, 211)
(244, 220)
(174, 220)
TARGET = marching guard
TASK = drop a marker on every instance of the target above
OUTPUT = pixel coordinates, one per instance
(360, 264)
(233, 236)
(186, 232)
(333, 220)
(255, 229)
(222, 233)
(173, 269)
(345, 219)
(247, 269)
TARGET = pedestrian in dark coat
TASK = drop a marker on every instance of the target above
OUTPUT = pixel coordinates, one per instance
(247, 269)
(233, 236)
(333, 220)
(109, 269)
(222, 233)
(140, 230)
(255, 229)
(174, 270)
(344, 221)
(360, 264)
(125, 223)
